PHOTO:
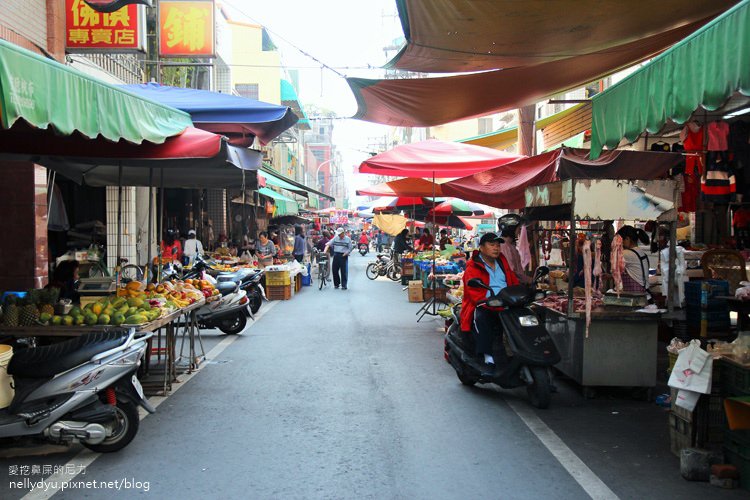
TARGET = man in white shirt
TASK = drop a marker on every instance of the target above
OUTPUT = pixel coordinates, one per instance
(192, 247)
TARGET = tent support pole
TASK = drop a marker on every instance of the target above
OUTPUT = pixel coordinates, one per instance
(431, 307)
(161, 222)
(119, 221)
(147, 273)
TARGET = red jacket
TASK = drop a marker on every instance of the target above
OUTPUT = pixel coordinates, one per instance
(475, 269)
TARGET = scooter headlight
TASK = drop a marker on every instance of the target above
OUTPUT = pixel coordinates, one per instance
(529, 320)
(495, 303)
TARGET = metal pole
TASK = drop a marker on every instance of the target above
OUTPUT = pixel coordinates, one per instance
(119, 219)
(147, 273)
(161, 221)
(572, 239)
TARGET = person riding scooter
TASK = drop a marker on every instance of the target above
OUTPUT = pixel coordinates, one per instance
(491, 267)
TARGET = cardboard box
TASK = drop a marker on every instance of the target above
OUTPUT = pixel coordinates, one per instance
(415, 291)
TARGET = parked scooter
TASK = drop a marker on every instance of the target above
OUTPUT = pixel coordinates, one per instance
(249, 280)
(363, 249)
(80, 390)
(532, 350)
(228, 314)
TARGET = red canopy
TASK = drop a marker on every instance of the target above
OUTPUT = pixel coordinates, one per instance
(193, 159)
(413, 186)
(504, 187)
(436, 158)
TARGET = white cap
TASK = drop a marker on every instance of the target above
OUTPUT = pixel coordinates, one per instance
(340, 230)
(192, 231)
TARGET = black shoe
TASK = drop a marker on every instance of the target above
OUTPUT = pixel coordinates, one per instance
(336, 287)
(344, 288)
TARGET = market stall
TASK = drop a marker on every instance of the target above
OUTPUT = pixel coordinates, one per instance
(604, 339)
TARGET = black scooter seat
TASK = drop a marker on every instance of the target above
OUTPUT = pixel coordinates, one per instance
(226, 287)
(240, 275)
(48, 361)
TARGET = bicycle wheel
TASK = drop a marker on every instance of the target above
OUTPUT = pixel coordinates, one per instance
(371, 271)
(131, 272)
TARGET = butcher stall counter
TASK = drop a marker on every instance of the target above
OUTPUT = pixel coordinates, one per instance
(620, 350)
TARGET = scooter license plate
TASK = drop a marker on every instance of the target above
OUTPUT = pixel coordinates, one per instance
(138, 387)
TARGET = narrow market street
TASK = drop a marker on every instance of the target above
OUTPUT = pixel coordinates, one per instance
(342, 394)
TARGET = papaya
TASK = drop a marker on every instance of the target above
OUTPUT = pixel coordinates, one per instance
(79, 319)
(97, 308)
(136, 319)
(133, 285)
(118, 302)
(75, 311)
(135, 302)
(67, 320)
(103, 319)
(57, 320)
(45, 317)
(145, 307)
(118, 319)
(131, 311)
(90, 318)
(123, 309)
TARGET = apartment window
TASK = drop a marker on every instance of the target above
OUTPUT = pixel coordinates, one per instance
(485, 126)
(247, 90)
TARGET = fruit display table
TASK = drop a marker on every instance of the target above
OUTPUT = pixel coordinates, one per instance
(168, 322)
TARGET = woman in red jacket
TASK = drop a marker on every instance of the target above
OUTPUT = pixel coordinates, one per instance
(489, 265)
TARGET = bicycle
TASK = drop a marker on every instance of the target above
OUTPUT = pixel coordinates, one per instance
(323, 268)
(128, 272)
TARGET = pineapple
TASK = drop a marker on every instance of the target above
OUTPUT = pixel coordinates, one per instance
(47, 308)
(10, 318)
(29, 315)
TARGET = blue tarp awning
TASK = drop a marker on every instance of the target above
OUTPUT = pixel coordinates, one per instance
(238, 118)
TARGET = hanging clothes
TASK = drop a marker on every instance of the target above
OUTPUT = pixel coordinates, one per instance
(739, 144)
(57, 218)
(660, 146)
(693, 143)
(718, 183)
(718, 134)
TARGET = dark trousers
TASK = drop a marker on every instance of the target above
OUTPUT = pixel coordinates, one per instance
(487, 326)
(299, 258)
(340, 265)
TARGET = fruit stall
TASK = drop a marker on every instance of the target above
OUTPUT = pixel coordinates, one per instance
(166, 307)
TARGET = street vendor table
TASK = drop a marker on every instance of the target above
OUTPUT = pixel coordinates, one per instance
(168, 322)
(619, 351)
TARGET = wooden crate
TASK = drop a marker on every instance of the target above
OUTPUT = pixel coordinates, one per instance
(297, 283)
(279, 292)
(441, 293)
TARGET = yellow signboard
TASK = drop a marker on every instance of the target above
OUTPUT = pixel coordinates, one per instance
(186, 28)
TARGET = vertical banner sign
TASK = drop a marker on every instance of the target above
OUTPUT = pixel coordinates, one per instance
(186, 28)
(87, 30)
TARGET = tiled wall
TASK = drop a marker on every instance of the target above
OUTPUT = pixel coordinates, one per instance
(128, 231)
(28, 18)
(23, 248)
(217, 210)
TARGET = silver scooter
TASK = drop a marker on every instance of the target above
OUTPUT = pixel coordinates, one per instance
(228, 314)
(80, 390)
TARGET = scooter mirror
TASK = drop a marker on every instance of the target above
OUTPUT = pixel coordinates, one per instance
(477, 283)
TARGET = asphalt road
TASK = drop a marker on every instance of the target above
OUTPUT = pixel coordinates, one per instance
(342, 394)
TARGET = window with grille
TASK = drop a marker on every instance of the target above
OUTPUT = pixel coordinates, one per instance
(248, 90)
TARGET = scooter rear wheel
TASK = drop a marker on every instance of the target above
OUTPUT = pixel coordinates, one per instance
(233, 326)
(125, 429)
(540, 393)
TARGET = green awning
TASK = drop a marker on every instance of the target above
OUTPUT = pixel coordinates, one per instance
(704, 69)
(284, 205)
(273, 180)
(289, 98)
(46, 93)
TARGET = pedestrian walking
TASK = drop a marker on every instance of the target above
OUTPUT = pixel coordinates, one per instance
(341, 245)
(299, 245)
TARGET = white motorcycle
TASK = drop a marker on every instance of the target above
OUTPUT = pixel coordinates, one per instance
(228, 314)
(80, 390)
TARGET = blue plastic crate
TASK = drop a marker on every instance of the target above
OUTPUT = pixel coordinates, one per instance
(693, 290)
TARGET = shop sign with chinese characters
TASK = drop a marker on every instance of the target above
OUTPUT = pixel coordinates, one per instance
(186, 28)
(87, 30)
